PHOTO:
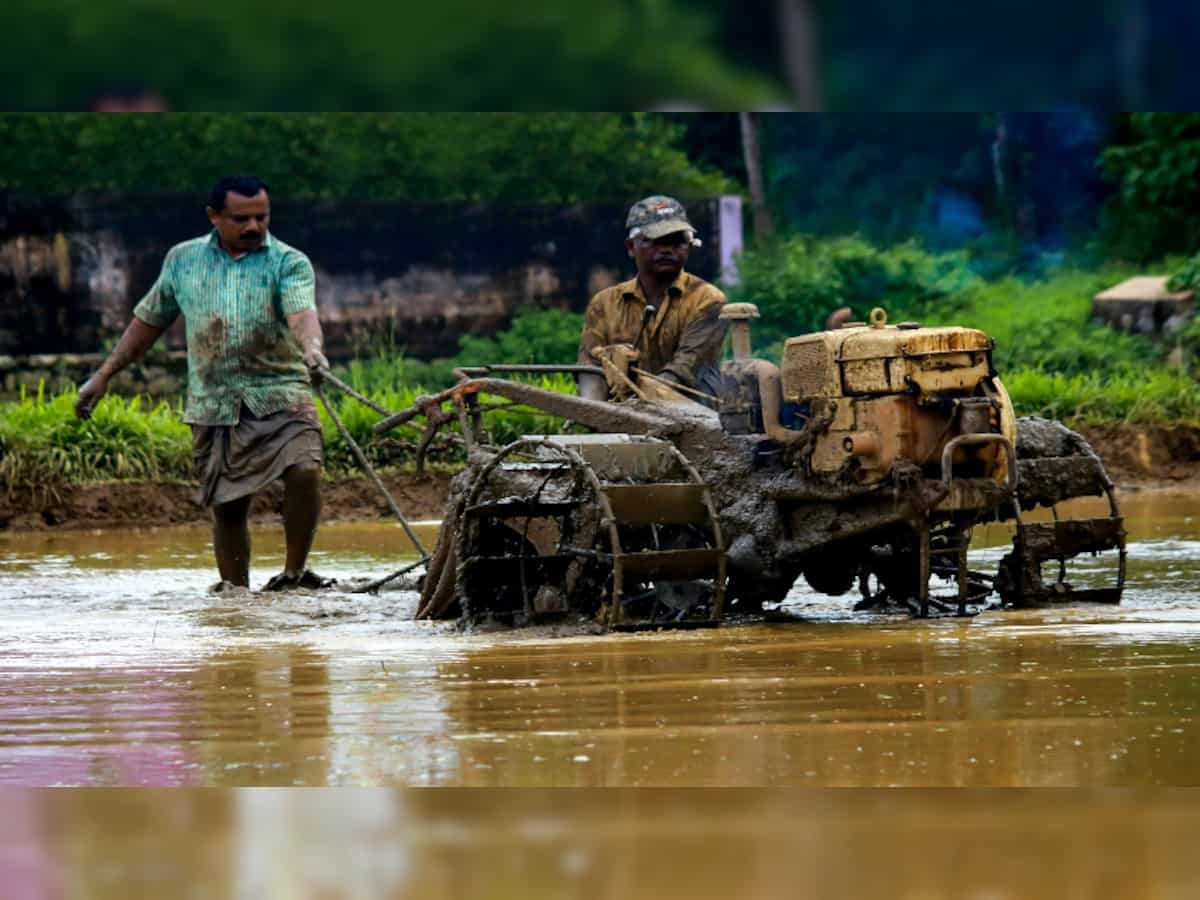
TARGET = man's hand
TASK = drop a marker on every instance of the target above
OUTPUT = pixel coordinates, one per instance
(134, 342)
(90, 393)
(316, 362)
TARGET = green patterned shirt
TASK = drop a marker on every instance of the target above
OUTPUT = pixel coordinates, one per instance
(235, 311)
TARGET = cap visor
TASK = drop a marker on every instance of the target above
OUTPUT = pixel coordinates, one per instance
(661, 229)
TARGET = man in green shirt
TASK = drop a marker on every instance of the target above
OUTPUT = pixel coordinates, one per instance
(254, 347)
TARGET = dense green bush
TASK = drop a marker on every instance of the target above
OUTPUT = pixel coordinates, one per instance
(1187, 276)
(796, 283)
(859, 172)
(547, 336)
(1043, 323)
(1156, 159)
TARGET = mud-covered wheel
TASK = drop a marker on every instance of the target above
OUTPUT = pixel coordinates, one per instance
(658, 600)
(1057, 464)
(526, 526)
(627, 533)
(512, 535)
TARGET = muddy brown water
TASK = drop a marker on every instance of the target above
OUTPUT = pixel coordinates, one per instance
(118, 668)
(619, 844)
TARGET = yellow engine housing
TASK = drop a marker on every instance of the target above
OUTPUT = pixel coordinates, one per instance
(884, 387)
(868, 361)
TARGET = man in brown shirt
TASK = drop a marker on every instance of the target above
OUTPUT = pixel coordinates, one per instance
(681, 341)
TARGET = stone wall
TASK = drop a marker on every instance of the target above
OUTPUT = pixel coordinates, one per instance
(413, 277)
(160, 375)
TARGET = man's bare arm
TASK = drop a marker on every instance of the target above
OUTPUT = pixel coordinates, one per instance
(306, 329)
(138, 337)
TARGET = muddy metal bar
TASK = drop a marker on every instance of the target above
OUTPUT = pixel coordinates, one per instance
(370, 471)
(346, 389)
(475, 371)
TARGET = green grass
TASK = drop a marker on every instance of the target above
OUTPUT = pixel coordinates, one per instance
(42, 443)
(1143, 398)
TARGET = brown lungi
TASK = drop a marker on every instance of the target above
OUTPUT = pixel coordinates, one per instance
(235, 460)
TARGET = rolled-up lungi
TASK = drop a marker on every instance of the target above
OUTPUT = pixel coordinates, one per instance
(235, 460)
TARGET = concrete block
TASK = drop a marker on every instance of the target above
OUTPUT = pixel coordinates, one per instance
(1144, 305)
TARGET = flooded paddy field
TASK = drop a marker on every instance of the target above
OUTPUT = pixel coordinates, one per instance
(117, 667)
(626, 844)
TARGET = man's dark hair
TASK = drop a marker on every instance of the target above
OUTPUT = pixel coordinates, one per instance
(245, 185)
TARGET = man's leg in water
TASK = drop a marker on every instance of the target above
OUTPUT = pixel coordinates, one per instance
(301, 510)
(231, 540)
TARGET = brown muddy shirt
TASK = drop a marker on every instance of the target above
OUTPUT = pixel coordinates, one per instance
(684, 336)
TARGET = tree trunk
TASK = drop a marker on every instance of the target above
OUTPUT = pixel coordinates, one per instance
(763, 225)
(798, 51)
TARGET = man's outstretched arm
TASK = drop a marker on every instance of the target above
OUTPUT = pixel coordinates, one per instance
(137, 339)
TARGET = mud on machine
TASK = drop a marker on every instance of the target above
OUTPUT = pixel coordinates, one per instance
(861, 463)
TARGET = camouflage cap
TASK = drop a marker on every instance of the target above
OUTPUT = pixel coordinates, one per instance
(656, 216)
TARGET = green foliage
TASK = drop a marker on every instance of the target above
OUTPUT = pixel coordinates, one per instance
(1157, 163)
(598, 54)
(1187, 276)
(1036, 324)
(43, 444)
(513, 158)
(548, 336)
(796, 283)
(885, 56)
(456, 54)
(1056, 362)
